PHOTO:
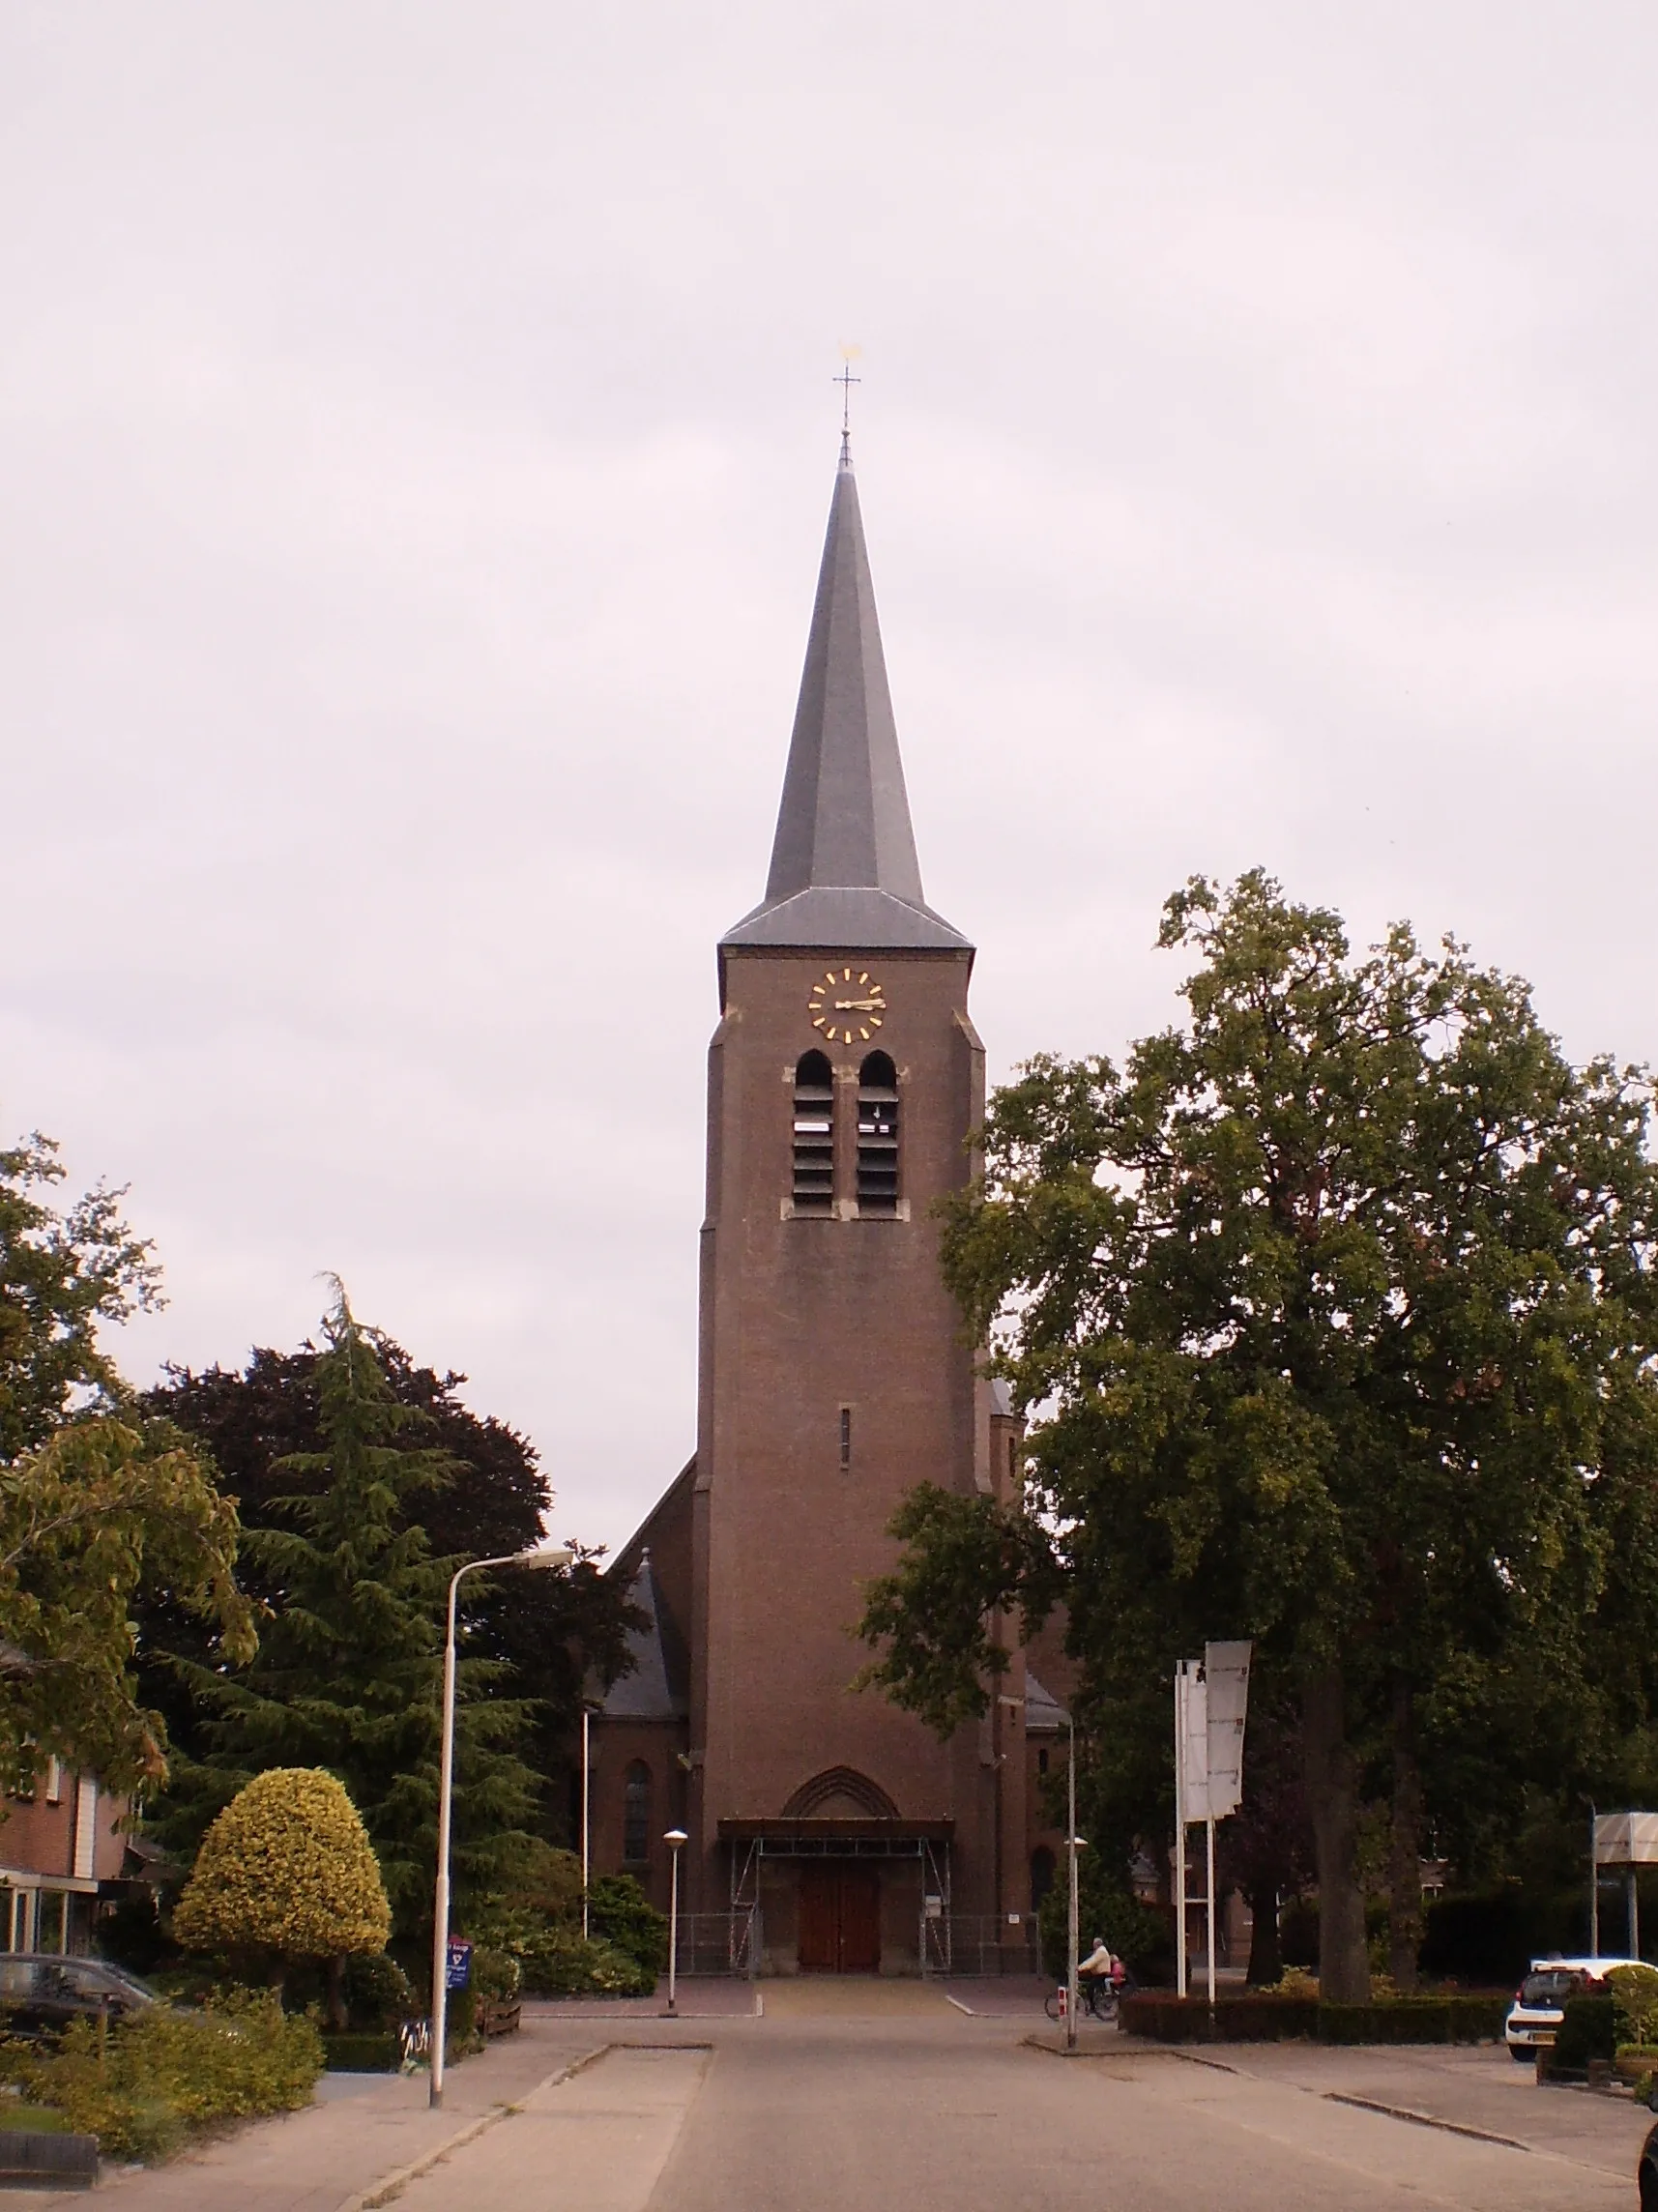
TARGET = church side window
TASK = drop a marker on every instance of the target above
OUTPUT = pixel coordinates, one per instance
(877, 1135)
(814, 1135)
(636, 1814)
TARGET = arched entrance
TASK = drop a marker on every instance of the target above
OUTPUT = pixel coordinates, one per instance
(840, 1883)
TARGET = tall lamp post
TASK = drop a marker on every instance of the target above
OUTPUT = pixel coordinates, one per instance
(1073, 1845)
(588, 1709)
(446, 1795)
(675, 1840)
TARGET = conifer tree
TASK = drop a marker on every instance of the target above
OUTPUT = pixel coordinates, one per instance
(349, 1672)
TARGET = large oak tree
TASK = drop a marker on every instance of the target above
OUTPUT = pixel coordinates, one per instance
(1333, 1314)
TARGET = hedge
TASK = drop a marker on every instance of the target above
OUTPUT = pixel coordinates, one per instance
(367, 2054)
(1304, 2020)
(1587, 2029)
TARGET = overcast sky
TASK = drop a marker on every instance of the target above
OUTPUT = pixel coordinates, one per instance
(417, 434)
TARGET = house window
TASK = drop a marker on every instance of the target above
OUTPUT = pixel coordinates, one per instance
(813, 1187)
(636, 1814)
(877, 1135)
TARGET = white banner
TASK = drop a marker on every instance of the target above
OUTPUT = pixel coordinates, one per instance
(1211, 1703)
(1626, 1839)
(1226, 1683)
(1192, 1693)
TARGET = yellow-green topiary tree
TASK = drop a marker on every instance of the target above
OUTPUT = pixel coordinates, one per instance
(287, 1871)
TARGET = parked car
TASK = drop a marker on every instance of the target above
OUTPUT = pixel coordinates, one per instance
(1646, 2174)
(41, 1992)
(1534, 2017)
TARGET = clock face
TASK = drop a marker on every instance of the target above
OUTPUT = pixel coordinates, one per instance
(847, 1005)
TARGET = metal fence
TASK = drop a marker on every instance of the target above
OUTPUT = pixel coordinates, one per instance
(720, 1942)
(979, 1944)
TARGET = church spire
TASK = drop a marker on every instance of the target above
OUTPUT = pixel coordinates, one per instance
(844, 870)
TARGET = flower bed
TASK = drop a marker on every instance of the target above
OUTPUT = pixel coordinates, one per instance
(161, 2075)
(1304, 2020)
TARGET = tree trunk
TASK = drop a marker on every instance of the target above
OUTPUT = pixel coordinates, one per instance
(1266, 1952)
(1404, 1869)
(338, 2015)
(1332, 1801)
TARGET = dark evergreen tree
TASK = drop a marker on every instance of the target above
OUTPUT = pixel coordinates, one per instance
(348, 1675)
(262, 1425)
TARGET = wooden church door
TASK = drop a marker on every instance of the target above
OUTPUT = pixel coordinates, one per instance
(840, 1918)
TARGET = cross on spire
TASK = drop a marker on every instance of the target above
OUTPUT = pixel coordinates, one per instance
(846, 380)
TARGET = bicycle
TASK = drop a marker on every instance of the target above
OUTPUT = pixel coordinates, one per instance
(1096, 1995)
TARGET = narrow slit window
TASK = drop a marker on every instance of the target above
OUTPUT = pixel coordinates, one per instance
(845, 1437)
(813, 1187)
(877, 1135)
(636, 1814)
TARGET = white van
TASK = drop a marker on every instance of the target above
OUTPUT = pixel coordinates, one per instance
(1535, 2016)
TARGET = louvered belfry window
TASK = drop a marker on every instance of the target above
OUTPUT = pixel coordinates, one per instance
(814, 1135)
(877, 1135)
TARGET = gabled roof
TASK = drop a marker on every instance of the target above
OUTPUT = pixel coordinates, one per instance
(647, 1691)
(1044, 1715)
(844, 871)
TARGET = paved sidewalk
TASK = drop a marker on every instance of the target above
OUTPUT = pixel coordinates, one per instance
(713, 1998)
(363, 2129)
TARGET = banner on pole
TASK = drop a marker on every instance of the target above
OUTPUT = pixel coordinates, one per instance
(1226, 1688)
(1210, 1705)
(1626, 1839)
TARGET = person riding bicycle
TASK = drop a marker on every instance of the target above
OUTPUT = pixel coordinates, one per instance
(1101, 1965)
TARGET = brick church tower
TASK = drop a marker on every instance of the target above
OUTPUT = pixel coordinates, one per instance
(845, 1078)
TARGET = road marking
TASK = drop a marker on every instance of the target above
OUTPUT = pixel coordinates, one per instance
(960, 2007)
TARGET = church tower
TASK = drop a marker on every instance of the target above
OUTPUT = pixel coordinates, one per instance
(827, 1831)
(845, 1080)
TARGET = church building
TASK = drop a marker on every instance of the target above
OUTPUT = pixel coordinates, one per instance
(827, 1831)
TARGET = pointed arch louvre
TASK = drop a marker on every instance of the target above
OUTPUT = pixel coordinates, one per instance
(858, 1796)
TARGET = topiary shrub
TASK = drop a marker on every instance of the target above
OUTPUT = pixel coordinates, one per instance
(620, 1913)
(285, 1872)
(1635, 1994)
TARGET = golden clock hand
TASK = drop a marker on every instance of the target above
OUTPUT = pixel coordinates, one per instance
(858, 1005)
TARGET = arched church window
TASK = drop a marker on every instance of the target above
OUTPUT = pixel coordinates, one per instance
(877, 1135)
(814, 1135)
(636, 1814)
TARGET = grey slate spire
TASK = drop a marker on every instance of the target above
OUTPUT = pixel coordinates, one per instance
(844, 870)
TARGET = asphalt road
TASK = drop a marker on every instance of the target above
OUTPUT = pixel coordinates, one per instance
(893, 2100)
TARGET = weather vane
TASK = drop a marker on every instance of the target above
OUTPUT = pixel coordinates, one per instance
(846, 380)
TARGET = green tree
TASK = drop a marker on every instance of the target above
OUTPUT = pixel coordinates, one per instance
(61, 1275)
(286, 1872)
(262, 1425)
(1334, 1316)
(348, 1676)
(103, 1510)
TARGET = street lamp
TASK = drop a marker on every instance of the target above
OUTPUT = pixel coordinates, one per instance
(675, 1840)
(588, 1709)
(446, 1792)
(1073, 1845)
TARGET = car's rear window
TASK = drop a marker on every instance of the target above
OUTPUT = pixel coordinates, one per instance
(1550, 1989)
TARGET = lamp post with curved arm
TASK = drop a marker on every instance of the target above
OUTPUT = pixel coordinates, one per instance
(446, 1795)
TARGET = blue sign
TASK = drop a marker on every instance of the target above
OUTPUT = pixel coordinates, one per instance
(459, 1972)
